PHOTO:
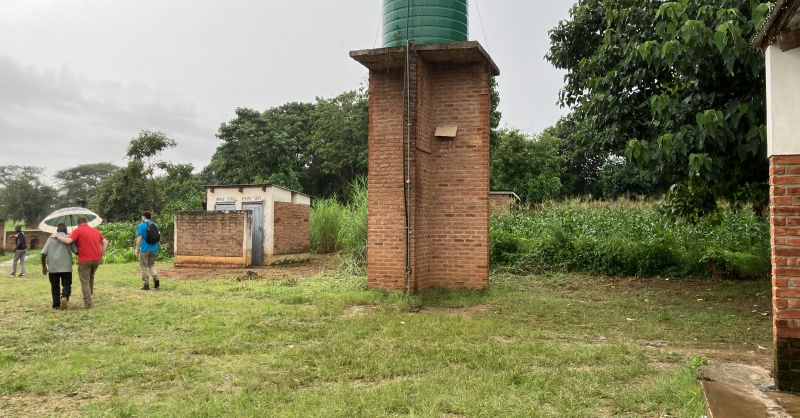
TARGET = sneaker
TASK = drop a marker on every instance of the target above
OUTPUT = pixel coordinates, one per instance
(145, 287)
(156, 283)
(55, 308)
(64, 304)
(21, 275)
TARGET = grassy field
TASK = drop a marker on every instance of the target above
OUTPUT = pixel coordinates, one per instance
(322, 346)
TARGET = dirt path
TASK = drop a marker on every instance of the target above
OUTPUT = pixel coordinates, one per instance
(319, 264)
(9, 263)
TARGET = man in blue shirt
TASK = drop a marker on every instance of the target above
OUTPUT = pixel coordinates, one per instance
(147, 252)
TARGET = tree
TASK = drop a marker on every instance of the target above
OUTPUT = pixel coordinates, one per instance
(675, 87)
(179, 184)
(122, 195)
(80, 182)
(144, 151)
(338, 149)
(526, 164)
(494, 114)
(252, 152)
(24, 195)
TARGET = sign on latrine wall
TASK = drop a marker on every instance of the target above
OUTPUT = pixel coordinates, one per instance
(244, 199)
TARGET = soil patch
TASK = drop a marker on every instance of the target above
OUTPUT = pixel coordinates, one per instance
(466, 312)
(319, 264)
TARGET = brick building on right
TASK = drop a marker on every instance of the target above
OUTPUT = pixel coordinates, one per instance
(779, 40)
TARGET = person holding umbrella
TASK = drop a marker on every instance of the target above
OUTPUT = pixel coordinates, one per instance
(57, 265)
(92, 245)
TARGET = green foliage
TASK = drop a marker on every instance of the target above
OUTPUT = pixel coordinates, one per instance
(121, 238)
(675, 87)
(325, 223)
(318, 148)
(338, 146)
(337, 227)
(24, 195)
(629, 239)
(123, 195)
(143, 151)
(252, 152)
(494, 114)
(79, 182)
(527, 164)
(353, 233)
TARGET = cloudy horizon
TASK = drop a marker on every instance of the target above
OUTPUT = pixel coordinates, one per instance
(80, 78)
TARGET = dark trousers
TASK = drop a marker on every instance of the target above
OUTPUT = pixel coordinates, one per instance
(56, 281)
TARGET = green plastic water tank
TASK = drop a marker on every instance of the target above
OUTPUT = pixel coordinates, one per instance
(431, 21)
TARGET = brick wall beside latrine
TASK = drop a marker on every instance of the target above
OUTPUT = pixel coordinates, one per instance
(292, 230)
(785, 225)
(40, 236)
(213, 238)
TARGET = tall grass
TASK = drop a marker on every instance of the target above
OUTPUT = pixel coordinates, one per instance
(629, 238)
(342, 227)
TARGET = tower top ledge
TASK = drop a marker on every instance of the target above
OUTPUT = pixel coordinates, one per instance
(454, 52)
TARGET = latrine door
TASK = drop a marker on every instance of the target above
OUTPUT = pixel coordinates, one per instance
(258, 231)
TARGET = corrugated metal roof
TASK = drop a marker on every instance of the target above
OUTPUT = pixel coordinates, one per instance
(795, 20)
(768, 30)
(504, 192)
(208, 186)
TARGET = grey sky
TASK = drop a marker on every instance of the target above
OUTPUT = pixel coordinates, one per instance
(80, 78)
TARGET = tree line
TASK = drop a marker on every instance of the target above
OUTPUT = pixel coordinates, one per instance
(665, 98)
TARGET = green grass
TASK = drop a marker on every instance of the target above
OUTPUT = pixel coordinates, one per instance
(34, 261)
(533, 346)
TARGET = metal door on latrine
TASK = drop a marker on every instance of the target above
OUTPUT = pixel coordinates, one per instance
(258, 231)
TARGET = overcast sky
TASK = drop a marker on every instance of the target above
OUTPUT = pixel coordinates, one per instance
(80, 78)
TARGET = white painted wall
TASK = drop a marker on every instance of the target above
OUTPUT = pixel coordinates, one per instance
(783, 101)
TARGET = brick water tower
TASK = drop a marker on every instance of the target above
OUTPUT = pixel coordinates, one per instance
(429, 128)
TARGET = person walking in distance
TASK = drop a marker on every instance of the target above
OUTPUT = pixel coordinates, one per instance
(20, 250)
(147, 237)
(57, 265)
(92, 245)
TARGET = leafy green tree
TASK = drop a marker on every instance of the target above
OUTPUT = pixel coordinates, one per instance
(338, 148)
(252, 152)
(24, 194)
(144, 150)
(179, 184)
(527, 164)
(80, 182)
(675, 87)
(122, 195)
(494, 114)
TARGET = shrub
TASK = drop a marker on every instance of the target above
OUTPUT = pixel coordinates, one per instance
(628, 238)
(336, 227)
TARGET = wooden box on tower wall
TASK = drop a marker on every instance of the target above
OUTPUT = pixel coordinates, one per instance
(276, 228)
(428, 163)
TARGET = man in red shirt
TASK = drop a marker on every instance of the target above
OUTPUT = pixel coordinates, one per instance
(91, 247)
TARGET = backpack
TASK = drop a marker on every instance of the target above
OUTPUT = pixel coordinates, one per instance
(153, 235)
